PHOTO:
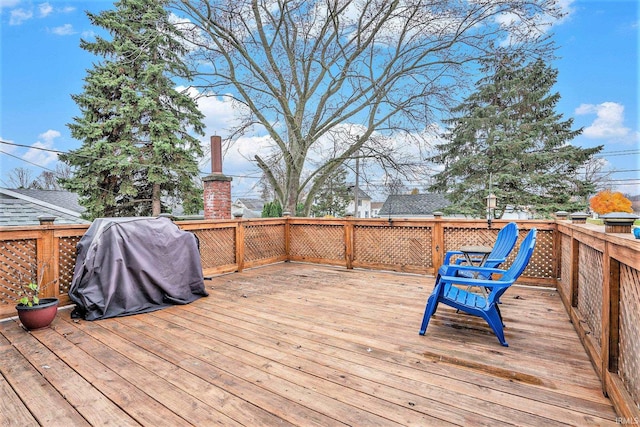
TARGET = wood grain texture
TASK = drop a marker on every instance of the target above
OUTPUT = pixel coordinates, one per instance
(300, 344)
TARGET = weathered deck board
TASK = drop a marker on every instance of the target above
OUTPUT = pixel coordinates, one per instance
(298, 344)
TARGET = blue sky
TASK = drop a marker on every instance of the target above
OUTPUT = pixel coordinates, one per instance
(42, 65)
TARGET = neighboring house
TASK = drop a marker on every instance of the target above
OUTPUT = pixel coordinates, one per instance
(413, 205)
(364, 205)
(511, 213)
(248, 208)
(375, 209)
(24, 206)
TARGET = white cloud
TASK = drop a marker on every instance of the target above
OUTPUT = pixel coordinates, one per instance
(506, 19)
(239, 158)
(41, 157)
(63, 30)
(8, 3)
(609, 121)
(566, 6)
(543, 22)
(18, 16)
(45, 9)
(50, 135)
(221, 114)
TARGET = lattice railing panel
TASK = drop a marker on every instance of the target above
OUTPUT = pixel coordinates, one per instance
(264, 242)
(629, 360)
(590, 290)
(565, 264)
(217, 246)
(317, 241)
(67, 261)
(393, 246)
(455, 237)
(18, 260)
(541, 263)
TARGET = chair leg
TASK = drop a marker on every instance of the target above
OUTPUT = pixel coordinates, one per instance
(494, 320)
(432, 305)
(499, 314)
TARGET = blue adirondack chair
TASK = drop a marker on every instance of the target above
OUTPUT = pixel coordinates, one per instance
(505, 243)
(485, 306)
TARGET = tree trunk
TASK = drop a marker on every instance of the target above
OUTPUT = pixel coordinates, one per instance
(155, 200)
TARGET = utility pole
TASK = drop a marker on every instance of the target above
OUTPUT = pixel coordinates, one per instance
(356, 189)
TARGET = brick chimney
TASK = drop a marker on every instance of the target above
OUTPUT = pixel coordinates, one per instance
(217, 186)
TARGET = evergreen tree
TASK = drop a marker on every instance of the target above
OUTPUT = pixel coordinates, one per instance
(134, 126)
(275, 210)
(272, 210)
(508, 129)
(333, 196)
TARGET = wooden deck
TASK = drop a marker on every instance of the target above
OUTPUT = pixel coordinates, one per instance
(299, 344)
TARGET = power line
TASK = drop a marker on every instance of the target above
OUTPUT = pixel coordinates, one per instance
(32, 147)
(603, 154)
(27, 161)
(85, 156)
(620, 151)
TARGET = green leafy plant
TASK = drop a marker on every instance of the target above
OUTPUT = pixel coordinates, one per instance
(29, 290)
(29, 294)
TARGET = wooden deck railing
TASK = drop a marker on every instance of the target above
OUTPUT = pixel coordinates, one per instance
(599, 284)
(596, 274)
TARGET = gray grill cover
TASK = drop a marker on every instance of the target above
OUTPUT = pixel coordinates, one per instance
(134, 265)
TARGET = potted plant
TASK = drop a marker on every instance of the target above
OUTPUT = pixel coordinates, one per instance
(35, 312)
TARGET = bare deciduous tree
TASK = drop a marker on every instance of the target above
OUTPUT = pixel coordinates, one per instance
(20, 178)
(47, 180)
(50, 180)
(595, 171)
(344, 77)
(395, 186)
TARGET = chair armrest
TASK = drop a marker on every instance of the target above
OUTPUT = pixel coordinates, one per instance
(451, 269)
(455, 280)
(449, 254)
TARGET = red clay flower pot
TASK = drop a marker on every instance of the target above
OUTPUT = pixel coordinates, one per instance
(38, 316)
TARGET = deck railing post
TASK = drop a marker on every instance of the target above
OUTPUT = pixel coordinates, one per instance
(575, 271)
(437, 244)
(557, 249)
(240, 244)
(47, 262)
(610, 316)
(287, 237)
(348, 241)
(612, 329)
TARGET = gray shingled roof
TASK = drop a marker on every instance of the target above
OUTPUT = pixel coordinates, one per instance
(361, 194)
(60, 198)
(23, 207)
(413, 205)
(252, 204)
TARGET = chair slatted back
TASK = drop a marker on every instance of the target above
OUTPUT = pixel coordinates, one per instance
(522, 259)
(505, 242)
